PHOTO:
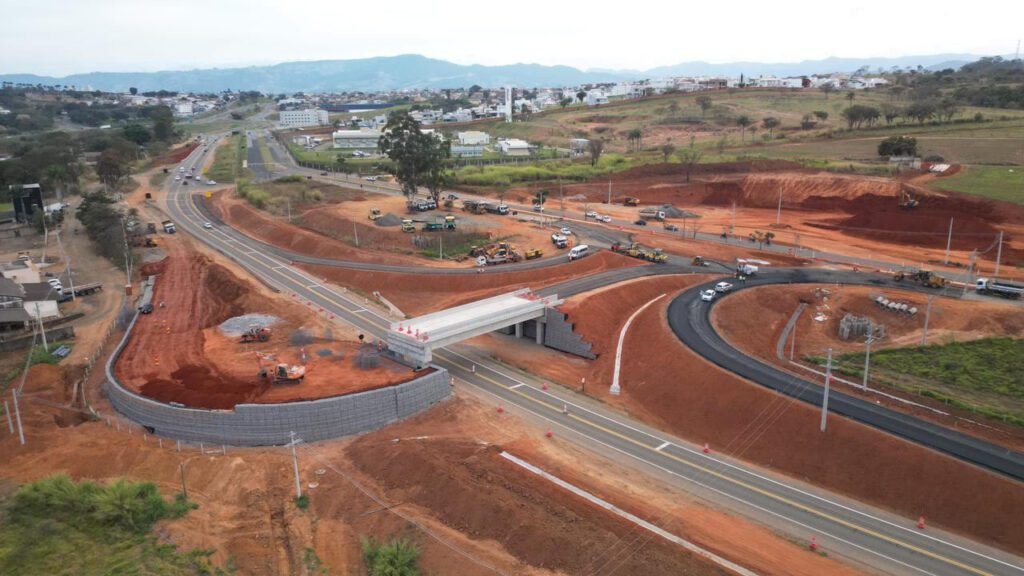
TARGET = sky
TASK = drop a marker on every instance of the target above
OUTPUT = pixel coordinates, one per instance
(59, 37)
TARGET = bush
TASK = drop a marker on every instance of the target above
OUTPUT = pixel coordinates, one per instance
(898, 146)
(397, 558)
(302, 502)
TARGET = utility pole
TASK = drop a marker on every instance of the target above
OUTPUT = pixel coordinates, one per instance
(355, 232)
(927, 316)
(999, 254)
(561, 194)
(792, 342)
(7, 413)
(867, 360)
(440, 252)
(732, 227)
(67, 265)
(184, 489)
(42, 329)
(17, 416)
(295, 463)
(824, 402)
(609, 192)
(288, 202)
(778, 211)
(949, 240)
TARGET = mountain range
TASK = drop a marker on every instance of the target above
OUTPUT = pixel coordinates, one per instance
(411, 71)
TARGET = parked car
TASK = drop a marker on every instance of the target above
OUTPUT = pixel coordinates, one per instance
(604, 218)
(671, 227)
(591, 214)
(146, 309)
(211, 183)
(723, 287)
(707, 295)
(640, 222)
(370, 178)
(177, 178)
(184, 182)
(324, 173)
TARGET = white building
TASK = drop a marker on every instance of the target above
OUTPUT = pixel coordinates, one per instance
(578, 147)
(361, 139)
(596, 97)
(20, 271)
(41, 301)
(460, 115)
(515, 147)
(474, 138)
(183, 109)
(303, 118)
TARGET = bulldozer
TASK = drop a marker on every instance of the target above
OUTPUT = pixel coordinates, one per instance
(374, 214)
(656, 256)
(255, 333)
(923, 277)
(280, 373)
(630, 201)
(407, 225)
(533, 253)
(907, 200)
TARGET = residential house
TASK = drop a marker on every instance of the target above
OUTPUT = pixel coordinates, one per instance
(460, 115)
(182, 109)
(596, 97)
(515, 147)
(473, 138)
(13, 317)
(578, 147)
(41, 300)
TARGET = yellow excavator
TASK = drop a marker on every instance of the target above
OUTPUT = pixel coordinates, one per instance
(925, 278)
(907, 201)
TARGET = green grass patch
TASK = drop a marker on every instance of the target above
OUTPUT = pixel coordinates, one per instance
(982, 376)
(276, 196)
(227, 160)
(995, 182)
(157, 180)
(39, 355)
(55, 526)
(568, 170)
(6, 207)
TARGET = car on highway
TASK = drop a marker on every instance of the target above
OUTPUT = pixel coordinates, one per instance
(640, 222)
(211, 182)
(370, 178)
(181, 168)
(177, 178)
(723, 287)
(323, 173)
(591, 214)
(184, 182)
(707, 295)
(671, 227)
(207, 225)
(146, 309)
(604, 218)
(565, 231)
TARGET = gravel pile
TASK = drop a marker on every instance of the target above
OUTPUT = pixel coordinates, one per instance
(239, 324)
(388, 219)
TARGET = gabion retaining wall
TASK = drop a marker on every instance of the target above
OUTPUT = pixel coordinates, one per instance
(270, 424)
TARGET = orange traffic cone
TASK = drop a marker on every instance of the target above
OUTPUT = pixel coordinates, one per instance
(549, 434)
(707, 449)
(501, 409)
(814, 544)
(920, 522)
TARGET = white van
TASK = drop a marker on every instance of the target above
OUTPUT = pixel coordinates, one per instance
(579, 252)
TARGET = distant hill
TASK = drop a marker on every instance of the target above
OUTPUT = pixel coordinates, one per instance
(414, 71)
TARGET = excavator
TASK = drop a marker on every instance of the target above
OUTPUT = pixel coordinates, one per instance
(374, 214)
(255, 333)
(923, 277)
(630, 201)
(907, 200)
(280, 373)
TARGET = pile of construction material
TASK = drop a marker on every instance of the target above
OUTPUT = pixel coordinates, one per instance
(852, 327)
(895, 306)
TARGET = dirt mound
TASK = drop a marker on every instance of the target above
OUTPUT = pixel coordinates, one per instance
(816, 191)
(473, 490)
(674, 169)
(200, 386)
(153, 268)
(175, 156)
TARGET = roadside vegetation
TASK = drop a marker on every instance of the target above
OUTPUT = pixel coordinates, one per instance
(996, 182)
(982, 376)
(157, 179)
(227, 160)
(56, 526)
(395, 558)
(294, 192)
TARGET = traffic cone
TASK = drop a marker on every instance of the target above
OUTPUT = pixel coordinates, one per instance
(549, 434)
(544, 386)
(814, 544)
(707, 449)
(501, 409)
(920, 522)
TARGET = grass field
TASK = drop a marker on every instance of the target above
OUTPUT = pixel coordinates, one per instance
(158, 179)
(995, 182)
(276, 195)
(54, 526)
(227, 160)
(983, 376)
(6, 207)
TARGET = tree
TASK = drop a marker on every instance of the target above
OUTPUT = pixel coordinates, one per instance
(673, 108)
(689, 157)
(473, 90)
(807, 122)
(947, 108)
(921, 111)
(581, 95)
(821, 115)
(891, 112)
(850, 96)
(770, 123)
(133, 91)
(397, 558)
(827, 89)
(666, 150)
(858, 114)
(502, 187)
(419, 159)
(565, 102)
(704, 102)
(596, 147)
(111, 167)
(743, 122)
(635, 136)
(339, 165)
(898, 146)
(137, 133)
(163, 123)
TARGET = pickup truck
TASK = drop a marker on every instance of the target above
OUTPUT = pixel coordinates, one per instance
(559, 240)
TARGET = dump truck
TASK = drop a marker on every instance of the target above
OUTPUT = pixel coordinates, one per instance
(997, 288)
(407, 225)
(169, 227)
(500, 209)
(925, 278)
(907, 200)
(630, 201)
(533, 253)
(374, 214)
(652, 214)
(474, 206)
(83, 289)
(255, 333)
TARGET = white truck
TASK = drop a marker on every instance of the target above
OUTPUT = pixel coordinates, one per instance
(745, 269)
(1004, 289)
(652, 214)
(169, 227)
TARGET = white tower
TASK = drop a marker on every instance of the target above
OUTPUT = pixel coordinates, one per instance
(508, 104)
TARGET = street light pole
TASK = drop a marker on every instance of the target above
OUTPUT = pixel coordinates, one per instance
(824, 402)
(184, 489)
(867, 360)
(295, 463)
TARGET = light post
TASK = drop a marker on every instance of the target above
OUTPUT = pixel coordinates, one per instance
(867, 360)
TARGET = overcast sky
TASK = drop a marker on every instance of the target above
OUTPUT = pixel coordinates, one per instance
(58, 37)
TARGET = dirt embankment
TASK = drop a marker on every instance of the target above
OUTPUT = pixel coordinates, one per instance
(951, 320)
(176, 155)
(674, 388)
(418, 294)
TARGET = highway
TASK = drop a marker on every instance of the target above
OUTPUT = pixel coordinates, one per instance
(690, 319)
(889, 544)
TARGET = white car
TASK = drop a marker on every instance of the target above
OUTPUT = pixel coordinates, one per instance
(370, 178)
(177, 178)
(181, 168)
(207, 225)
(604, 218)
(591, 214)
(211, 182)
(565, 232)
(723, 287)
(707, 295)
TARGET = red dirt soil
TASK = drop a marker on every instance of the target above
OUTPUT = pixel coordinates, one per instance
(951, 319)
(676, 389)
(176, 155)
(475, 491)
(182, 357)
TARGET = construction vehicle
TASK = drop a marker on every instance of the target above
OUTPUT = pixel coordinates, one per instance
(499, 209)
(533, 253)
(151, 227)
(656, 256)
(623, 248)
(995, 287)
(652, 214)
(474, 206)
(407, 225)
(280, 373)
(630, 201)
(907, 200)
(168, 227)
(559, 241)
(83, 289)
(141, 242)
(255, 333)
(497, 253)
(449, 222)
(923, 277)
(699, 261)
(375, 214)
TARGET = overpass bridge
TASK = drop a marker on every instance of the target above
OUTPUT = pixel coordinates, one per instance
(415, 339)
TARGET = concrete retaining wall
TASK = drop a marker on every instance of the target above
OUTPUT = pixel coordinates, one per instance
(558, 334)
(270, 424)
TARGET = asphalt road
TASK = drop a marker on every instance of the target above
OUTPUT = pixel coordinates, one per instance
(889, 544)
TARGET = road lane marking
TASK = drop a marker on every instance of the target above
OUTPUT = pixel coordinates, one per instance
(663, 446)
